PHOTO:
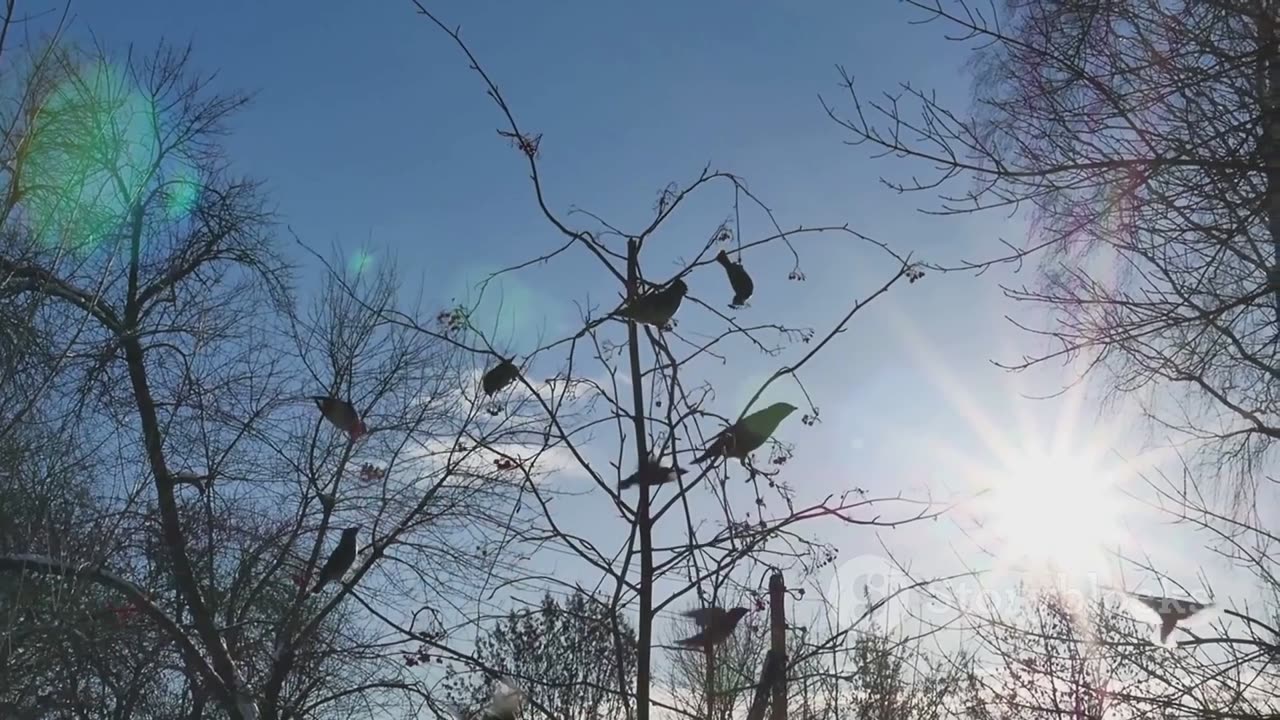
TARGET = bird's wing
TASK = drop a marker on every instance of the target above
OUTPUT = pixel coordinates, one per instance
(330, 565)
(1170, 606)
(629, 481)
(704, 616)
(764, 422)
(693, 641)
(717, 446)
(1152, 601)
(508, 699)
(1186, 609)
(500, 376)
(654, 308)
(339, 412)
(340, 559)
(1154, 610)
(1142, 608)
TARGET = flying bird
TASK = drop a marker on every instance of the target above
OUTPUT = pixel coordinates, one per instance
(651, 473)
(743, 437)
(507, 702)
(339, 560)
(342, 414)
(186, 477)
(1171, 612)
(499, 376)
(738, 279)
(717, 625)
(658, 307)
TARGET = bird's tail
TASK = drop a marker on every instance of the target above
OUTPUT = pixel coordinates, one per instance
(629, 482)
(1167, 626)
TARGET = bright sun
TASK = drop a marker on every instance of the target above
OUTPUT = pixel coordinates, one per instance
(1045, 480)
(1053, 512)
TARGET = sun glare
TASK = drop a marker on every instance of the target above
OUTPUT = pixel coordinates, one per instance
(1055, 513)
(1046, 482)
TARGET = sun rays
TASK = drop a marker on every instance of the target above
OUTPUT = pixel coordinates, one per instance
(1052, 510)
(1047, 486)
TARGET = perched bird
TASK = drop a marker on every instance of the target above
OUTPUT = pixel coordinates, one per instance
(738, 279)
(1171, 612)
(651, 473)
(743, 437)
(500, 376)
(339, 560)
(717, 625)
(658, 307)
(342, 414)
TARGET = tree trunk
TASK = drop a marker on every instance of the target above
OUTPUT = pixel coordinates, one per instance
(778, 643)
(644, 635)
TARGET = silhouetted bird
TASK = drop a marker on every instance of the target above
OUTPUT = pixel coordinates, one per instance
(1171, 612)
(342, 414)
(738, 278)
(743, 437)
(717, 625)
(500, 376)
(651, 472)
(339, 560)
(657, 307)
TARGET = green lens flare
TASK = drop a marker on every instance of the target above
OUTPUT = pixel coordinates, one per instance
(182, 195)
(90, 153)
(361, 261)
(510, 313)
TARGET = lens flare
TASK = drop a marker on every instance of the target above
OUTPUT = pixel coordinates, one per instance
(182, 194)
(91, 152)
(361, 261)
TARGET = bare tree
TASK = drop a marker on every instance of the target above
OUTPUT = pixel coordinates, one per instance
(1054, 662)
(177, 358)
(719, 684)
(687, 538)
(860, 670)
(176, 348)
(1143, 140)
(561, 653)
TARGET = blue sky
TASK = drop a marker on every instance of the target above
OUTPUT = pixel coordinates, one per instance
(371, 133)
